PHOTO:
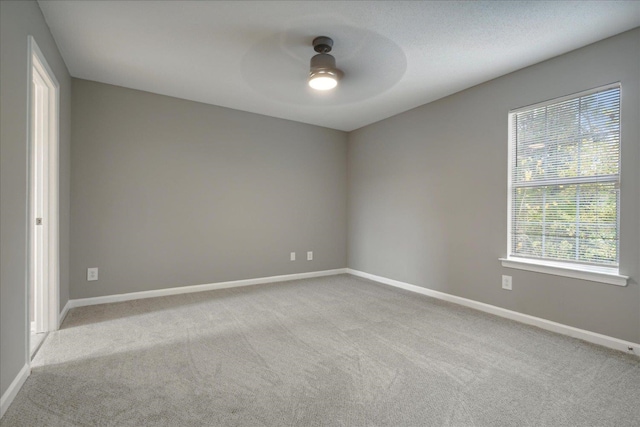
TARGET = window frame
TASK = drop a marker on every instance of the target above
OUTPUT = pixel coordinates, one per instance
(573, 269)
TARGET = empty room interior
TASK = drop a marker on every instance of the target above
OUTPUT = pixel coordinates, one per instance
(319, 213)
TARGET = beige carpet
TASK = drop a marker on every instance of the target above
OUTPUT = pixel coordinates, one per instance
(334, 351)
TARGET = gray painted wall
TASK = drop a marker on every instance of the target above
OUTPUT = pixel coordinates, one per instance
(168, 192)
(428, 193)
(17, 21)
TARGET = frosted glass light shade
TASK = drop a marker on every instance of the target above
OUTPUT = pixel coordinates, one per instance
(322, 81)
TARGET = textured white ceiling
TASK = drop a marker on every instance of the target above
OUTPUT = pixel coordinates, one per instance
(254, 55)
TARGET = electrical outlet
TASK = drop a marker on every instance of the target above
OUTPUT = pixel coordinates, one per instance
(92, 274)
(507, 282)
(309, 255)
(293, 256)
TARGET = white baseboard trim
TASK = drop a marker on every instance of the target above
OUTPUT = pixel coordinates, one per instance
(14, 388)
(82, 302)
(592, 337)
(64, 313)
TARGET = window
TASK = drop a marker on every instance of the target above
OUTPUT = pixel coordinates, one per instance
(564, 182)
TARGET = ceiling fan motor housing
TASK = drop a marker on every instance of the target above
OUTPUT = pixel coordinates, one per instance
(323, 61)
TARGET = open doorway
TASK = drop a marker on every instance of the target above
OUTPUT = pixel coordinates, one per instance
(43, 290)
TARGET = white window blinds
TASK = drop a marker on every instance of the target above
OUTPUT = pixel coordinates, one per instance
(564, 179)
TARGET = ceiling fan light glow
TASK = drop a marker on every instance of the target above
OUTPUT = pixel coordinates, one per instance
(323, 80)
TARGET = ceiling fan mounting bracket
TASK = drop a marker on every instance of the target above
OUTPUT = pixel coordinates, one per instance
(322, 44)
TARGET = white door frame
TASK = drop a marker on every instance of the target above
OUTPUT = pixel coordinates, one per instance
(48, 92)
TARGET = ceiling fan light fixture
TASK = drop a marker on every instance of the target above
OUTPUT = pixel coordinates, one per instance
(323, 74)
(323, 80)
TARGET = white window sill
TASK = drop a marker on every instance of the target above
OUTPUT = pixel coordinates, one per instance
(594, 274)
